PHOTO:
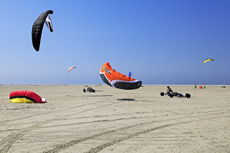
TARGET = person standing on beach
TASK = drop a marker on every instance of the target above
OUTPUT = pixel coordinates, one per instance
(195, 86)
(204, 86)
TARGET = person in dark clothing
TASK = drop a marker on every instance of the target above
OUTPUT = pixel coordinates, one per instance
(169, 91)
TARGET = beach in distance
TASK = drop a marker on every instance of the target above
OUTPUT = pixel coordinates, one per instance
(112, 120)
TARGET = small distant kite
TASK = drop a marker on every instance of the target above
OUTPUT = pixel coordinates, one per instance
(118, 80)
(209, 59)
(25, 96)
(72, 67)
(38, 26)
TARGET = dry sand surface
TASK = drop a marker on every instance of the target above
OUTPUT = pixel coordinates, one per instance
(118, 121)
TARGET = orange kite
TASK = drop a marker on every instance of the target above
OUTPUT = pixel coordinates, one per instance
(118, 80)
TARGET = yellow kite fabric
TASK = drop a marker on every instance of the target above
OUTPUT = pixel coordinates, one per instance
(21, 100)
(209, 59)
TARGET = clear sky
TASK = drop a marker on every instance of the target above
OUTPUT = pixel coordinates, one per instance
(160, 41)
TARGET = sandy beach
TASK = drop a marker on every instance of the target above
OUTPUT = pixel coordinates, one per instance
(114, 120)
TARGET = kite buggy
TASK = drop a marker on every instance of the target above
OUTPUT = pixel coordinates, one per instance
(171, 94)
(89, 89)
(176, 94)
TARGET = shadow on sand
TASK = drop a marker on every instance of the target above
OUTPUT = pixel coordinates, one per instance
(90, 95)
(126, 99)
(98, 90)
(97, 95)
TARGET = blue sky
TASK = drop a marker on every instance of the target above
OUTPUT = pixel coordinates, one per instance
(160, 41)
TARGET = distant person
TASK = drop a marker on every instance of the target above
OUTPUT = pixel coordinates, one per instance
(169, 91)
(195, 86)
(204, 86)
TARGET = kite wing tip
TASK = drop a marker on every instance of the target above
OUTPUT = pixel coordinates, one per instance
(44, 100)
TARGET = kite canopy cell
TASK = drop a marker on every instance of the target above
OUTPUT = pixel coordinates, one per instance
(38, 26)
(118, 80)
(25, 96)
(209, 59)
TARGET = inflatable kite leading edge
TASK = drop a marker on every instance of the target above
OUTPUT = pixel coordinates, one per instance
(38, 26)
(118, 80)
(24, 96)
(72, 67)
(209, 59)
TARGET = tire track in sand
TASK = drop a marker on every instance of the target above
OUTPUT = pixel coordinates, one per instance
(26, 117)
(63, 146)
(8, 141)
(110, 143)
(60, 147)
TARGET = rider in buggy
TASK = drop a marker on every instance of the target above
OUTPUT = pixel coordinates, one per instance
(169, 91)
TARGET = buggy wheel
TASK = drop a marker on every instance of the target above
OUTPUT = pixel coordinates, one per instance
(162, 94)
(171, 95)
(175, 93)
(187, 95)
(83, 90)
